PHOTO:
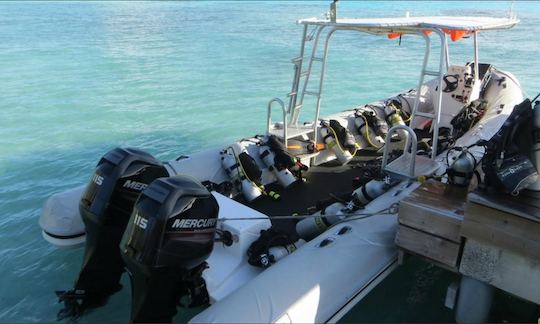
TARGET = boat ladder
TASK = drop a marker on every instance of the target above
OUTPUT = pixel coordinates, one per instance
(409, 165)
(299, 89)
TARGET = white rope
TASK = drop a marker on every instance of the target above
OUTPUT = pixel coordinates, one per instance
(393, 209)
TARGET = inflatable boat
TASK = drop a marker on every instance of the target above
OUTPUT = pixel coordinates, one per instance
(296, 224)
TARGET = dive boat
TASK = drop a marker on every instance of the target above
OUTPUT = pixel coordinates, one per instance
(298, 224)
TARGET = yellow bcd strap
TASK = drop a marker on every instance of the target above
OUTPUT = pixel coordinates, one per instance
(273, 195)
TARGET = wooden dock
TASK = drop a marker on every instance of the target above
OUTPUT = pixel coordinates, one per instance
(493, 238)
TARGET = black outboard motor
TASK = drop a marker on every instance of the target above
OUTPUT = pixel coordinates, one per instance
(105, 207)
(169, 236)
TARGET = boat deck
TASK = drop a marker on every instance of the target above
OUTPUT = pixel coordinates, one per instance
(320, 182)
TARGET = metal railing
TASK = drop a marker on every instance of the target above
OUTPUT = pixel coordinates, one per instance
(269, 118)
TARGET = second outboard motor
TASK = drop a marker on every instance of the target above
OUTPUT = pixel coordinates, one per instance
(105, 208)
(169, 236)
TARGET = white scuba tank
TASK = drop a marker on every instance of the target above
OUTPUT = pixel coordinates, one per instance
(277, 253)
(535, 152)
(394, 118)
(343, 156)
(368, 192)
(461, 171)
(284, 176)
(368, 133)
(310, 227)
(231, 164)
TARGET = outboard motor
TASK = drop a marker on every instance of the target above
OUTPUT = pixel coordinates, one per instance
(105, 208)
(169, 236)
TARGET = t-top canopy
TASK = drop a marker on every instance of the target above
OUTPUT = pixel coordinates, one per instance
(404, 24)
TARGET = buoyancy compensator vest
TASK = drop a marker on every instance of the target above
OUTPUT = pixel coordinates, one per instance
(105, 208)
(535, 149)
(506, 164)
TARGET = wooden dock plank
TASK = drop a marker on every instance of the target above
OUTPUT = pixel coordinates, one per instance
(424, 244)
(435, 208)
(526, 205)
(504, 269)
(440, 223)
(501, 229)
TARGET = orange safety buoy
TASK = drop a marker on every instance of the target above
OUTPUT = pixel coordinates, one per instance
(393, 35)
(455, 34)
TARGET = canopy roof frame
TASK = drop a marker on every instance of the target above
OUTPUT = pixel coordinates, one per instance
(294, 112)
(406, 25)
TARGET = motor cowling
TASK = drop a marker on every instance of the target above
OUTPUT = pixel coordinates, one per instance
(105, 207)
(169, 236)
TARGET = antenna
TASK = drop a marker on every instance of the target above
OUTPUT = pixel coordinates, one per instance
(511, 11)
(333, 11)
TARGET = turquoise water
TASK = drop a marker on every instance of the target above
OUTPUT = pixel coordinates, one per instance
(80, 78)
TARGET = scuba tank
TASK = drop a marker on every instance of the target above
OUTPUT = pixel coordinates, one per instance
(363, 128)
(272, 245)
(368, 192)
(168, 238)
(243, 171)
(277, 253)
(311, 227)
(535, 152)
(394, 118)
(105, 207)
(277, 160)
(461, 171)
(343, 155)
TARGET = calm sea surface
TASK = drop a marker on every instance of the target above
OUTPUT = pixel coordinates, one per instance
(80, 78)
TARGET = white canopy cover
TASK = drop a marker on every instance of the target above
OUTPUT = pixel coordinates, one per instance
(404, 24)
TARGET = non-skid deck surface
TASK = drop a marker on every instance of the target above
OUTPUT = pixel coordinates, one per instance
(321, 181)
